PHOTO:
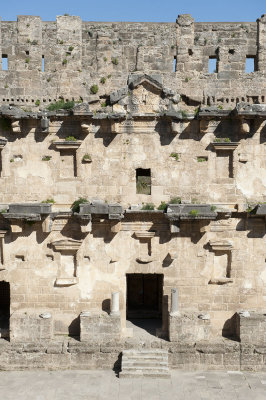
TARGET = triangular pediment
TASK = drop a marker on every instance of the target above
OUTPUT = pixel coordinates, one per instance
(145, 80)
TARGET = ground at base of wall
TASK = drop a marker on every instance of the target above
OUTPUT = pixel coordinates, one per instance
(68, 353)
(57, 385)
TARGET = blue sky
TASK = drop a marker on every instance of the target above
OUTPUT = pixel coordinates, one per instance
(136, 10)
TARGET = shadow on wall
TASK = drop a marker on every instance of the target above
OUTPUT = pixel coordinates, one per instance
(229, 328)
(263, 135)
(74, 328)
(106, 305)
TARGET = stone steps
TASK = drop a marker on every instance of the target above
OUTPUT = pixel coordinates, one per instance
(145, 363)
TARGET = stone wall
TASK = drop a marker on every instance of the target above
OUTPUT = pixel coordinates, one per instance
(81, 53)
(75, 355)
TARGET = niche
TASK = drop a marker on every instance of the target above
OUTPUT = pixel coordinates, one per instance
(222, 261)
(224, 164)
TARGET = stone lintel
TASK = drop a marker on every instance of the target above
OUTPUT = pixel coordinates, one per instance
(67, 145)
(225, 146)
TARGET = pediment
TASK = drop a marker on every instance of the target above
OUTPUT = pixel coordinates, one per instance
(145, 80)
(66, 245)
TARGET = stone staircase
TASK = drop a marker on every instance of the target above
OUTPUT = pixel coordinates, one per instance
(151, 363)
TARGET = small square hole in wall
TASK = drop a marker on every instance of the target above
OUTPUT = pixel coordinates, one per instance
(50, 257)
(231, 51)
(27, 53)
(190, 52)
(250, 64)
(20, 258)
(213, 68)
(143, 181)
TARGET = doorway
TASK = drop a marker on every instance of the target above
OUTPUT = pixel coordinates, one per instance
(144, 302)
(4, 309)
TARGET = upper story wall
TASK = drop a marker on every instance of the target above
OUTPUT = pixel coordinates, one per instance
(78, 54)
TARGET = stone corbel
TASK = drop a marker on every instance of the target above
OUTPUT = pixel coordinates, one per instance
(16, 226)
(86, 226)
(178, 127)
(174, 227)
(115, 127)
(47, 224)
(204, 125)
(2, 258)
(89, 128)
(45, 122)
(16, 126)
(245, 126)
(116, 226)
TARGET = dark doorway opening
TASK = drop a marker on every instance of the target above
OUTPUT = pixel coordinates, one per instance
(144, 296)
(4, 309)
(144, 304)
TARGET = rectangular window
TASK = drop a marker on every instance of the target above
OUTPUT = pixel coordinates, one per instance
(174, 65)
(143, 181)
(213, 67)
(4, 62)
(250, 64)
(42, 63)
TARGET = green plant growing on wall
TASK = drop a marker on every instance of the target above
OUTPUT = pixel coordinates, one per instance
(49, 201)
(46, 158)
(3, 211)
(202, 159)
(34, 42)
(163, 206)
(11, 160)
(109, 76)
(71, 48)
(175, 156)
(37, 102)
(6, 86)
(213, 208)
(184, 114)
(115, 61)
(94, 89)
(222, 140)
(175, 200)
(148, 206)
(64, 62)
(61, 105)
(220, 107)
(103, 104)
(76, 204)
(104, 59)
(86, 157)
(70, 139)
(103, 80)
(27, 60)
(193, 213)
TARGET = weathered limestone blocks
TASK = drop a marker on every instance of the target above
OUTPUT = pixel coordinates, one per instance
(31, 327)
(251, 327)
(189, 327)
(100, 326)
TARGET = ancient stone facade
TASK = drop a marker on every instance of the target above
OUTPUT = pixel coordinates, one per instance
(129, 173)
